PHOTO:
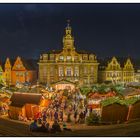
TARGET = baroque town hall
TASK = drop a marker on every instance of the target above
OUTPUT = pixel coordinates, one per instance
(68, 64)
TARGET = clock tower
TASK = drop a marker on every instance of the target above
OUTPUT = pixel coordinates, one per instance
(68, 40)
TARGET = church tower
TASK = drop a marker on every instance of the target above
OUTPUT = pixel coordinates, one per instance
(68, 40)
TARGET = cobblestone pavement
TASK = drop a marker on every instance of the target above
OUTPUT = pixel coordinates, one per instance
(15, 128)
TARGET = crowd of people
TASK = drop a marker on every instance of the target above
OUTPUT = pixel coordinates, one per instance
(65, 107)
(45, 127)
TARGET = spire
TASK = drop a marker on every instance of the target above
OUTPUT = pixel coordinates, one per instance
(68, 28)
(68, 23)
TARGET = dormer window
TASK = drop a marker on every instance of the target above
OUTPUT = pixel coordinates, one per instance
(85, 57)
(61, 57)
(68, 57)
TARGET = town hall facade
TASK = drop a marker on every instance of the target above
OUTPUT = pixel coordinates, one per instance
(68, 64)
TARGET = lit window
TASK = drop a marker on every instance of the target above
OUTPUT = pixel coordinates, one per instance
(76, 57)
(76, 71)
(17, 74)
(68, 57)
(18, 66)
(69, 71)
(85, 70)
(61, 72)
(92, 69)
(61, 57)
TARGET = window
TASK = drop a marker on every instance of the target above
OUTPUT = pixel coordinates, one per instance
(76, 71)
(61, 72)
(45, 57)
(26, 73)
(51, 71)
(61, 57)
(18, 66)
(76, 57)
(91, 57)
(114, 62)
(20, 74)
(114, 67)
(68, 71)
(92, 69)
(85, 70)
(51, 56)
(17, 74)
(85, 81)
(44, 71)
(85, 57)
(68, 58)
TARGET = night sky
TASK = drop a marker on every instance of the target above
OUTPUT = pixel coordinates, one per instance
(27, 30)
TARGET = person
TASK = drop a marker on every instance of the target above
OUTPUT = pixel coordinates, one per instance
(51, 114)
(69, 117)
(90, 110)
(47, 125)
(65, 127)
(44, 117)
(75, 116)
(39, 120)
(56, 115)
(33, 126)
(42, 128)
(55, 127)
(61, 115)
(81, 117)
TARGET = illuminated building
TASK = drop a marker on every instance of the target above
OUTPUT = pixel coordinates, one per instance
(68, 64)
(20, 71)
(116, 70)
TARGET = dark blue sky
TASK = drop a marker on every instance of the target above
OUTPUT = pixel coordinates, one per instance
(105, 29)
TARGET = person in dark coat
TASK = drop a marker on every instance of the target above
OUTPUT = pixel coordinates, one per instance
(33, 126)
(55, 127)
(42, 128)
(56, 116)
(75, 115)
(44, 117)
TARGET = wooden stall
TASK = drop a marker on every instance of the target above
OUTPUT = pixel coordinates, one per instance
(25, 104)
(134, 111)
(114, 113)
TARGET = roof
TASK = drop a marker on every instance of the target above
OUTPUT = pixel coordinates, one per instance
(63, 81)
(54, 51)
(136, 63)
(121, 60)
(104, 62)
(130, 91)
(29, 64)
(78, 51)
(20, 99)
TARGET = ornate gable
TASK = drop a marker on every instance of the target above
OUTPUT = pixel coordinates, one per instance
(128, 65)
(8, 64)
(18, 65)
(113, 64)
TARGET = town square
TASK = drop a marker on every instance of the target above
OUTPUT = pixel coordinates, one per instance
(66, 90)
